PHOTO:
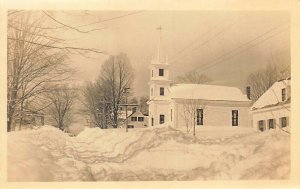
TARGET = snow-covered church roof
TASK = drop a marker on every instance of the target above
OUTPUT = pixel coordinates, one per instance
(273, 96)
(207, 92)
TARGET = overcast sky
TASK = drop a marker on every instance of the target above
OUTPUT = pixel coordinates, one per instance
(226, 46)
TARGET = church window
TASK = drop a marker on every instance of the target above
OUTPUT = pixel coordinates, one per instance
(235, 117)
(152, 73)
(161, 119)
(151, 91)
(199, 116)
(161, 72)
(171, 115)
(162, 91)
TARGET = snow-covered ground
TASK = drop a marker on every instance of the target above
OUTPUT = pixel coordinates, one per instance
(47, 154)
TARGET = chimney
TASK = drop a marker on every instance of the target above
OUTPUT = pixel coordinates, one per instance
(248, 92)
(133, 109)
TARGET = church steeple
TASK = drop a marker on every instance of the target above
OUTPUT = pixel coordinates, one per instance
(159, 72)
(159, 85)
(160, 57)
(159, 43)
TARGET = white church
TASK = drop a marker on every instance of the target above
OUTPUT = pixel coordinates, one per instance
(170, 104)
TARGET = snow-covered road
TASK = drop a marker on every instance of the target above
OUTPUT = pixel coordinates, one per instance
(48, 154)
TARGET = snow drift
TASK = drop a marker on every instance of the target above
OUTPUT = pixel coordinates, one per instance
(164, 153)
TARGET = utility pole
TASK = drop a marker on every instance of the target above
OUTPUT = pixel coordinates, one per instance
(126, 105)
(103, 116)
(127, 88)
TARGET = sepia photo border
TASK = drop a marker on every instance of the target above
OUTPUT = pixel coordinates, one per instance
(292, 6)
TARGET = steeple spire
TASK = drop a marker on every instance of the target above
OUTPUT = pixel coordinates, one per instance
(159, 44)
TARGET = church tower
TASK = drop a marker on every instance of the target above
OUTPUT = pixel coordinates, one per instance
(159, 86)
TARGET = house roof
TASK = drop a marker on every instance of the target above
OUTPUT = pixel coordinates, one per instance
(137, 114)
(207, 92)
(272, 96)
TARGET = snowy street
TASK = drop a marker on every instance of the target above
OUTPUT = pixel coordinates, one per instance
(47, 154)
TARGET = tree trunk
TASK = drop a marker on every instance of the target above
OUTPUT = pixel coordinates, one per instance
(10, 119)
(194, 128)
(9, 124)
(21, 119)
(116, 118)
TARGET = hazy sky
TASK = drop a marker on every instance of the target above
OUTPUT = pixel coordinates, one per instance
(226, 46)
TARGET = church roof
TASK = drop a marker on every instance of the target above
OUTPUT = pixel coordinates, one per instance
(207, 92)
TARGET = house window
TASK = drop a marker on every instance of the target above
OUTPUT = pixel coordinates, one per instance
(235, 117)
(152, 121)
(161, 72)
(261, 125)
(283, 92)
(162, 91)
(271, 123)
(130, 126)
(171, 114)
(140, 119)
(161, 119)
(283, 122)
(133, 118)
(199, 116)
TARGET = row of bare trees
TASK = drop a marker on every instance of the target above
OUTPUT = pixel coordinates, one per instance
(33, 68)
(103, 98)
(193, 77)
(260, 81)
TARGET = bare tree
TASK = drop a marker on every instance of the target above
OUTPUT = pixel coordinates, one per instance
(193, 77)
(62, 101)
(116, 75)
(103, 97)
(30, 66)
(94, 104)
(189, 113)
(260, 81)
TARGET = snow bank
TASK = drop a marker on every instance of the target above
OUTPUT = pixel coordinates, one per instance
(47, 154)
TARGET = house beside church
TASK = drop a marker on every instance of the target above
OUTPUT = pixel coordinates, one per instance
(273, 109)
(137, 120)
